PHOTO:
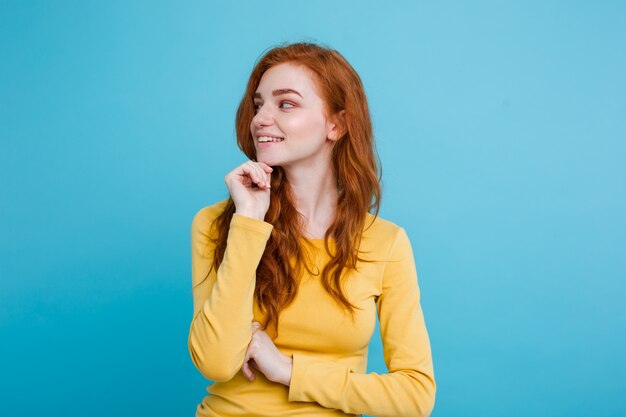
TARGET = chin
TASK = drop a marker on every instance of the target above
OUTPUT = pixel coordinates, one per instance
(269, 160)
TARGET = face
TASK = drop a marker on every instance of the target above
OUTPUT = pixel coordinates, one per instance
(288, 106)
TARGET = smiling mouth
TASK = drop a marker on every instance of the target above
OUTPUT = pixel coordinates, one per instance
(265, 139)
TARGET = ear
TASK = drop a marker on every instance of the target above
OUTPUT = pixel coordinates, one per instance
(338, 126)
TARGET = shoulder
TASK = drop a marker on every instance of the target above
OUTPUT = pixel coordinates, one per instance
(380, 229)
(206, 215)
(382, 236)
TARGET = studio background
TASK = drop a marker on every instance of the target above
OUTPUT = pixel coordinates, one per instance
(501, 129)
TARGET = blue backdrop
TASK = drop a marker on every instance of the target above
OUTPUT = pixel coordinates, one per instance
(501, 128)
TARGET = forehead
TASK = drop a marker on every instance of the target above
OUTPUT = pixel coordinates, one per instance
(288, 75)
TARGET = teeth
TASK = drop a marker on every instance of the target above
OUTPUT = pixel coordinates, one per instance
(263, 139)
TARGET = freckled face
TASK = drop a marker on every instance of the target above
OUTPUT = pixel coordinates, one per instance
(297, 116)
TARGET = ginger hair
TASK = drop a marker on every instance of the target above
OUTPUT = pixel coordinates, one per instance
(357, 169)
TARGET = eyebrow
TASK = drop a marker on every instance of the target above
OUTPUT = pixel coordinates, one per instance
(279, 92)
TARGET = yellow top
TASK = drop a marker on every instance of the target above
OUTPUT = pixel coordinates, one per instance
(329, 351)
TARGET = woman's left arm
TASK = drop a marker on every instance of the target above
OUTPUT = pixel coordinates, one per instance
(409, 387)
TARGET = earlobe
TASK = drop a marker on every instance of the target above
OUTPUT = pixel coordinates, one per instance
(333, 135)
(338, 126)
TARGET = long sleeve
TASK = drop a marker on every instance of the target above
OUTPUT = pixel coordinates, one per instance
(409, 387)
(220, 329)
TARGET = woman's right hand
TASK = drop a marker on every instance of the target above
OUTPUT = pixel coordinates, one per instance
(249, 187)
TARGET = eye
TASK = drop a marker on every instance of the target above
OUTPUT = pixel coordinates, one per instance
(257, 105)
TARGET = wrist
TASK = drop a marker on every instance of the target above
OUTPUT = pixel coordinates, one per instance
(288, 367)
(251, 213)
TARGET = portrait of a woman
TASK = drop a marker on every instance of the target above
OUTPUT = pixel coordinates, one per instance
(291, 271)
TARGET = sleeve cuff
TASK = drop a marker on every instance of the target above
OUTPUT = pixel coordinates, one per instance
(255, 225)
(307, 373)
(298, 375)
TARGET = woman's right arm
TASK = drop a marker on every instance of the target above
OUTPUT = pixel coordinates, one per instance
(221, 326)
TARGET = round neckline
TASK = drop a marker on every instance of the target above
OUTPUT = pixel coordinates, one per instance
(317, 240)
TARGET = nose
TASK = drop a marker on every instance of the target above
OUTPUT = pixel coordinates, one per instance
(263, 116)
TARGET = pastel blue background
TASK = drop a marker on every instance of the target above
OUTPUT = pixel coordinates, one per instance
(501, 127)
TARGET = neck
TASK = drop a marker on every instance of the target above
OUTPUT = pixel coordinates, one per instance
(314, 190)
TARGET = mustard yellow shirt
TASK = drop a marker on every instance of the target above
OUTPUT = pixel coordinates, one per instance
(329, 351)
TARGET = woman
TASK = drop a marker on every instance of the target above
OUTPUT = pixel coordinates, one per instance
(289, 272)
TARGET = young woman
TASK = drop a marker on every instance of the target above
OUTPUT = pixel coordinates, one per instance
(289, 272)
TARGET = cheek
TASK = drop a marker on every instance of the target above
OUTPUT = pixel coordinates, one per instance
(304, 125)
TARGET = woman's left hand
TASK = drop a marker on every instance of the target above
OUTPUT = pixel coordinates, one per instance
(263, 355)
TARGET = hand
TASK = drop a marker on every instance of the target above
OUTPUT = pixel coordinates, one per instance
(263, 355)
(249, 187)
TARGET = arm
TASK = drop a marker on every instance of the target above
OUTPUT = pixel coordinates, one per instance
(221, 327)
(409, 387)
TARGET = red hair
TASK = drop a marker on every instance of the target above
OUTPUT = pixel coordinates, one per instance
(356, 166)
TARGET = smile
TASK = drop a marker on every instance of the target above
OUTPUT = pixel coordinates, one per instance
(264, 139)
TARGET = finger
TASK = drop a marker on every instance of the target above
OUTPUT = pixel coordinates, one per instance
(261, 174)
(247, 372)
(266, 167)
(264, 171)
(256, 173)
(252, 173)
(239, 174)
(267, 170)
(245, 368)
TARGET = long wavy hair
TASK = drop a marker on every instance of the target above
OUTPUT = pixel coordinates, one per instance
(355, 164)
